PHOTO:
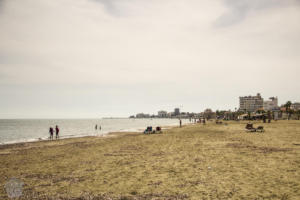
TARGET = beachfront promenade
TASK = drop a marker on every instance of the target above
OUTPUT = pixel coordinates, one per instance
(212, 161)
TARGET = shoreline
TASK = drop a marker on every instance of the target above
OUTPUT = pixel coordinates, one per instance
(104, 135)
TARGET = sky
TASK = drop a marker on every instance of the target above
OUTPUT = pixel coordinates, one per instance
(115, 58)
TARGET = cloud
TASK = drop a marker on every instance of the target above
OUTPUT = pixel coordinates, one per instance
(122, 8)
(111, 6)
(1, 5)
(149, 54)
(239, 10)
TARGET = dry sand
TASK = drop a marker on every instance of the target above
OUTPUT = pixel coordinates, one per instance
(194, 162)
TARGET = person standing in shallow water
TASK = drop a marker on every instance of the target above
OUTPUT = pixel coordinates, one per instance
(57, 132)
(51, 133)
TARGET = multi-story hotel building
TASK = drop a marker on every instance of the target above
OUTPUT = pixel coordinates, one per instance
(295, 106)
(272, 104)
(162, 114)
(251, 103)
(176, 111)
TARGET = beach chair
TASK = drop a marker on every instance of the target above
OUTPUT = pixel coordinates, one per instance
(148, 130)
(260, 129)
(249, 127)
(158, 129)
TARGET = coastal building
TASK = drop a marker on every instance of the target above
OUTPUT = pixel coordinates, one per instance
(295, 106)
(282, 108)
(271, 104)
(251, 103)
(142, 115)
(176, 111)
(170, 114)
(162, 114)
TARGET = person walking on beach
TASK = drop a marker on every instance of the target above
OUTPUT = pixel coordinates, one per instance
(180, 123)
(57, 132)
(51, 133)
(96, 127)
(100, 128)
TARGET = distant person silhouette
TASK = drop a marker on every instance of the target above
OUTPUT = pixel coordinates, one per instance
(96, 127)
(99, 127)
(51, 133)
(180, 123)
(57, 132)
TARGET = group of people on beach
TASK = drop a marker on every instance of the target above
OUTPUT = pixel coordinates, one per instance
(51, 131)
(96, 127)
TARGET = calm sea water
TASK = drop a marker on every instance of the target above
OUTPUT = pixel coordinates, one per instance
(25, 130)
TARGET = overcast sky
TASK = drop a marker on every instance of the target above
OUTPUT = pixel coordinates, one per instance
(100, 58)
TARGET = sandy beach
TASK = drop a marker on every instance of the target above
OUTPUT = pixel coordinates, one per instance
(194, 162)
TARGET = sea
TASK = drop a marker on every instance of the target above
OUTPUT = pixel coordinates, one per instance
(29, 130)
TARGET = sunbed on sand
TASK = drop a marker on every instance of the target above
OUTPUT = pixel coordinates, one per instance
(150, 131)
(249, 127)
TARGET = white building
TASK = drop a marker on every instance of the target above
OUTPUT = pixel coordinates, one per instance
(271, 104)
(251, 103)
(162, 114)
(295, 106)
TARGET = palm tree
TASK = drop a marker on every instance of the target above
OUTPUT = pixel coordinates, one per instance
(287, 108)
